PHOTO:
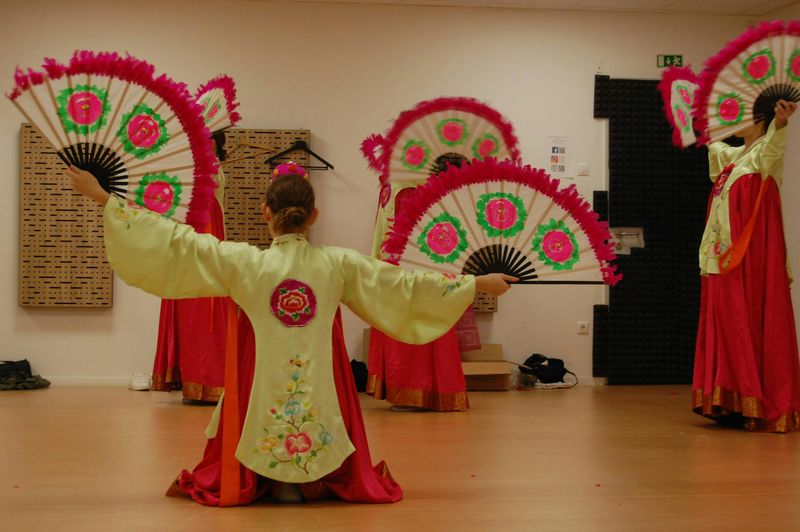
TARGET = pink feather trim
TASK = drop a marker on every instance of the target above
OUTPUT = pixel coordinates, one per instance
(718, 61)
(228, 87)
(669, 76)
(369, 147)
(177, 97)
(491, 170)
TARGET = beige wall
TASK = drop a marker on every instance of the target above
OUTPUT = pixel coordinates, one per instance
(342, 71)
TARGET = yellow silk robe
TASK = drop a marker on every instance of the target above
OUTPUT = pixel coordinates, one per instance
(293, 430)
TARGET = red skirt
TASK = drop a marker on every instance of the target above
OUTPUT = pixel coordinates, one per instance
(746, 364)
(356, 480)
(424, 376)
(190, 351)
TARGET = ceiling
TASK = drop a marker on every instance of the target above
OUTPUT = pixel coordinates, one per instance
(750, 8)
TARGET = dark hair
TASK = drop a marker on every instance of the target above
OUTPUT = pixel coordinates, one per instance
(290, 198)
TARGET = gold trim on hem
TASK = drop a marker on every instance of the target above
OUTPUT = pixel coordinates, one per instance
(722, 405)
(166, 383)
(441, 402)
(198, 392)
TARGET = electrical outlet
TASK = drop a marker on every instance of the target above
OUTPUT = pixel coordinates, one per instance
(583, 327)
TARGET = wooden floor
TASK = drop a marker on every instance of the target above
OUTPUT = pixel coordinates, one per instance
(590, 458)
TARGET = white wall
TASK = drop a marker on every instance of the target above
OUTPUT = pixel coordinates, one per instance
(342, 71)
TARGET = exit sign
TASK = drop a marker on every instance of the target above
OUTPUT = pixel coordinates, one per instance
(670, 60)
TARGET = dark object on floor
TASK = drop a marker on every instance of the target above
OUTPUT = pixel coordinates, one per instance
(359, 375)
(546, 370)
(16, 375)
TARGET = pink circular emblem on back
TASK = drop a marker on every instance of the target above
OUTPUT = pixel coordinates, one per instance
(84, 108)
(293, 303)
(143, 131)
(442, 238)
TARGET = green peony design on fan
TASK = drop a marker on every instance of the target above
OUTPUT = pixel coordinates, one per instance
(83, 109)
(415, 155)
(142, 132)
(210, 109)
(452, 131)
(501, 214)
(443, 239)
(759, 67)
(485, 146)
(159, 193)
(556, 245)
(730, 109)
(793, 68)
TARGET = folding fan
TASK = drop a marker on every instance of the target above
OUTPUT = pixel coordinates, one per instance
(218, 99)
(142, 137)
(490, 216)
(424, 140)
(742, 83)
(677, 86)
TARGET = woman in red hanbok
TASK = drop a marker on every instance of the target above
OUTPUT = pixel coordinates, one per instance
(746, 367)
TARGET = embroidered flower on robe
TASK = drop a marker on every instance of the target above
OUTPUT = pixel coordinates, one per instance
(289, 441)
(293, 303)
(719, 184)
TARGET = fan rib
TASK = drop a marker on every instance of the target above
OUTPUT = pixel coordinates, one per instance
(472, 201)
(556, 273)
(165, 170)
(466, 219)
(56, 131)
(529, 210)
(160, 157)
(117, 107)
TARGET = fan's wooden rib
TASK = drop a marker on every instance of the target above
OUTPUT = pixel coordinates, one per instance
(479, 237)
(160, 157)
(56, 131)
(117, 107)
(466, 222)
(165, 170)
(221, 120)
(108, 93)
(27, 116)
(77, 138)
(130, 157)
(529, 210)
(535, 226)
(39, 106)
(429, 266)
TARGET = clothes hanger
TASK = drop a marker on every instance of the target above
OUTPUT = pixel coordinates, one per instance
(301, 145)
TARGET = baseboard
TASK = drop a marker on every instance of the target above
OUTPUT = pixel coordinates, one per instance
(87, 381)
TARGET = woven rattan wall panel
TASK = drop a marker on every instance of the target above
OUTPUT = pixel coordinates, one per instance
(484, 302)
(246, 179)
(62, 260)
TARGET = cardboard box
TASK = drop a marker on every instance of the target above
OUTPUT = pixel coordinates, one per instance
(485, 369)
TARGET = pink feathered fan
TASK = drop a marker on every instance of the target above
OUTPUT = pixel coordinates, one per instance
(141, 136)
(742, 83)
(218, 99)
(677, 87)
(490, 216)
(424, 140)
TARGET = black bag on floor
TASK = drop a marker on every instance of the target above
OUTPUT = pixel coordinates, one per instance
(17, 375)
(546, 370)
